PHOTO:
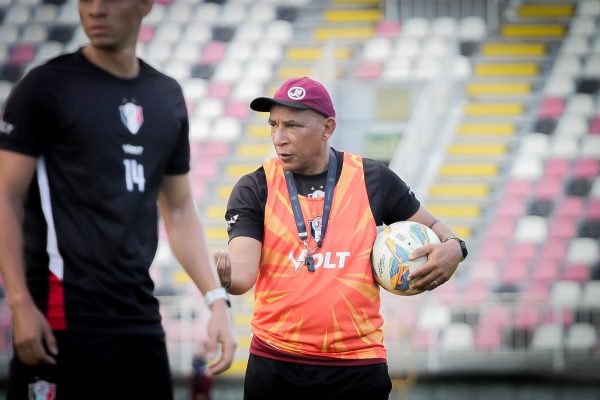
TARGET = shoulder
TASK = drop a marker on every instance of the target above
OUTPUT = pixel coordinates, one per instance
(150, 73)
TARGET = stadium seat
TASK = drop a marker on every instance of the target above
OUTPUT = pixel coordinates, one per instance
(588, 7)
(591, 294)
(227, 129)
(487, 337)
(472, 28)
(571, 206)
(575, 272)
(377, 48)
(559, 85)
(531, 229)
(194, 88)
(572, 124)
(590, 146)
(535, 144)
(457, 337)
(580, 103)
(547, 337)
(545, 271)
(279, 30)
(444, 27)
(565, 294)
(581, 337)
(575, 44)
(551, 107)
(583, 250)
(591, 66)
(433, 317)
(562, 146)
(555, 248)
(415, 27)
(525, 167)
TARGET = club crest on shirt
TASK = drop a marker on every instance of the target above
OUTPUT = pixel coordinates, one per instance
(42, 390)
(315, 228)
(132, 117)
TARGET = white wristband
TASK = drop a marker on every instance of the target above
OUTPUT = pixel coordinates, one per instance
(216, 294)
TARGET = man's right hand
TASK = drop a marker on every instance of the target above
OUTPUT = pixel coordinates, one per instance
(223, 264)
(33, 338)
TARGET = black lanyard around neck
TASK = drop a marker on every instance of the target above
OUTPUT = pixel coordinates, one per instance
(297, 209)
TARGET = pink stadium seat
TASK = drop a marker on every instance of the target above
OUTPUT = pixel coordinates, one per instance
(586, 168)
(593, 208)
(204, 168)
(537, 291)
(563, 317)
(595, 125)
(551, 107)
(511, 207)
(389, 29)
(213, 52)
(549, 187)
(488, 337)
(571, 206)
(501, 229)
(556, 167)
(215, 148)
(527, 316)
(518, 187)
(237, 109)
(576, 272)
(423, 339)
(369, 70)
(146, 34)
(475, 293)
(514, 272)
(492, 251)
(21, 54)
(554, 249)
(446, 292)
(198, 189)
(545, 272)
(485, 272)
(523, 251)
(496, 315)
(220, 90)
(562, 228)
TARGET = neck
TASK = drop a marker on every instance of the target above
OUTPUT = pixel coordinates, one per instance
(318, 166)
(122, 63)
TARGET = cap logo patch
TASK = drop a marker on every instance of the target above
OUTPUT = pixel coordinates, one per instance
(296, 93)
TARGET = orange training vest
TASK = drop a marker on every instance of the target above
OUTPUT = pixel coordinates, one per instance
(334, 311)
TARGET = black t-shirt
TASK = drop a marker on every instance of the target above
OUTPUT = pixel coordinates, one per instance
(391, 200)
(103, 146)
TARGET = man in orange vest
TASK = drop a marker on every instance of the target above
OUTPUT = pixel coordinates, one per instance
(301, 231)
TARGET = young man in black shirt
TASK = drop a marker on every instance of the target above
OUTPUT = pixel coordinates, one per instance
(89, 142)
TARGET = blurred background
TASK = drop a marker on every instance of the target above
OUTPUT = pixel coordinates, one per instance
(488, 109)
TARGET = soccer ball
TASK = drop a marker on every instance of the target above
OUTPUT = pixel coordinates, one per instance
(393, 244)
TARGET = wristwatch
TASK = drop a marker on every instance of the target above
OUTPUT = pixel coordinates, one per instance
(463, 245)
(216, 294)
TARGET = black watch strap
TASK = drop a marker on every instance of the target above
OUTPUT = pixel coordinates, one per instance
(463, 245)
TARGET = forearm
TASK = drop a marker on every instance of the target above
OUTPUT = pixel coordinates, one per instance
(442, 230)
(244, 253)
(188, 243)
(11, 250)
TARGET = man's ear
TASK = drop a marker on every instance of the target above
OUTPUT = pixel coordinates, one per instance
(146, 6)
(329, 128)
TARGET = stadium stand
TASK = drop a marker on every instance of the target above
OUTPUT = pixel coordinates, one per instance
(513, 166)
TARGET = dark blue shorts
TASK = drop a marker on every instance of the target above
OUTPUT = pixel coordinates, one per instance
(97, 366)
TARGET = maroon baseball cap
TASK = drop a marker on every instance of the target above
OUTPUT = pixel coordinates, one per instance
(302, 93)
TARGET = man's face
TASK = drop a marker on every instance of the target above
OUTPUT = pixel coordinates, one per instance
(112, 24)
(300, 138)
